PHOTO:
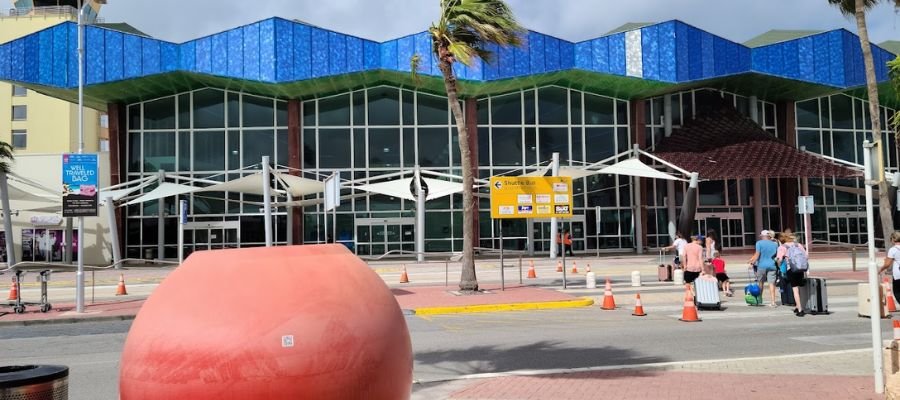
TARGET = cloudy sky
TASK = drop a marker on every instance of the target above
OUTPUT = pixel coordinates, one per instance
(575, 20)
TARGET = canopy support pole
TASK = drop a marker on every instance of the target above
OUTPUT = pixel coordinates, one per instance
(160, 221)
(113, 232)
(670, 208)
(420, 216)
(7, 221)
(636, 206)
(267, 200)
(554, 222)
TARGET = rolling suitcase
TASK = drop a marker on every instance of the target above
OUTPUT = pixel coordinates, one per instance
(664, 271)
(787, 292)
(706, 288)
(815, 296)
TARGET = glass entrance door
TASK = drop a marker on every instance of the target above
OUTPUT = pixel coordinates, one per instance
(377, 236)
(728, 226)
(543, 238)
(846, 227)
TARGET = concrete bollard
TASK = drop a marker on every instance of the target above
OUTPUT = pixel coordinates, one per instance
(591, 280)
(678, 277)
(636, 278)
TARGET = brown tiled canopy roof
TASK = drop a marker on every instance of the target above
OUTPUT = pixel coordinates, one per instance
(723, 144)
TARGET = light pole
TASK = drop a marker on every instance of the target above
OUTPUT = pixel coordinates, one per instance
(79, 278)
(870, 150)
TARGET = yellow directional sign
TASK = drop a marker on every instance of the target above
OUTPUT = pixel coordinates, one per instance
(531, 197)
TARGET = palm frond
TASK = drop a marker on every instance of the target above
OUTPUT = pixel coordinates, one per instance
(414, 62)
(6, 155)
(466, 28)
(848, 7)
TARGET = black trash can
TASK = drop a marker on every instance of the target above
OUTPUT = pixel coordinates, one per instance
(34, 382)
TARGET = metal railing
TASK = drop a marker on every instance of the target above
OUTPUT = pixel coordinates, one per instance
(447, 257)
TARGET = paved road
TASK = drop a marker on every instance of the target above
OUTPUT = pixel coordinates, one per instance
(447, 347)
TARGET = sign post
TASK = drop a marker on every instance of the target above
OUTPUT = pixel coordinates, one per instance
(806, 207)
(79, 199)
(523, 197)
(870, 150)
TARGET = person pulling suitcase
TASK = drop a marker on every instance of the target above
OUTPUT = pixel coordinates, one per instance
(892, 260)
(795, 256)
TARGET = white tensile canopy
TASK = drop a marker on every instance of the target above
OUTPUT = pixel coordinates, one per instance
(164, 190)
(634, 167)
(250, 184)
(400, 188)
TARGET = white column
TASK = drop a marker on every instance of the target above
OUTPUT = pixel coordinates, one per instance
(113, 231)
(671, 209)
(161, 221)
(807, 218)
(636, 206)
(757, 205)
(754, 111)
(554, 223)
(420, 216)
(529, 226)
(667, 115)
(267, 200)
(290, 219)
(874, 293)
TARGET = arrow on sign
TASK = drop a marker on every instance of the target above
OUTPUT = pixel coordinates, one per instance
(498, 185)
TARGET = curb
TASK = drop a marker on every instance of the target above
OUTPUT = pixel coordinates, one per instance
(71, 320)
(486, 308)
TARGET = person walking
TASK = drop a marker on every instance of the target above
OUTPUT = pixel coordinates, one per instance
(559, 242)
(678, 245)
(719, 268)
(712, 245)
(764, 261)
(892, 260)
(567, 242)
(793, 273)
(693, 262)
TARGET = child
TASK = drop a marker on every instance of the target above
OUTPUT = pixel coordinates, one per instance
(719, 265)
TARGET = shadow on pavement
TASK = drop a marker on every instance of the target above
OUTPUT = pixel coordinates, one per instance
(536, 356)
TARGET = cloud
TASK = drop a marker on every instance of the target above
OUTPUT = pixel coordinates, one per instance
(575, 20)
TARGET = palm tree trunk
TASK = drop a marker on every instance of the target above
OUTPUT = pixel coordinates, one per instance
(884, 203)
(7, 220)
(467, 279)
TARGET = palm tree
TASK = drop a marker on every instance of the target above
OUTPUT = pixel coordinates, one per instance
(857, 9)
(462, 34)
(6, 155)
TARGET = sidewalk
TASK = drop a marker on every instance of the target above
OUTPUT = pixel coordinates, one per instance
(124, 309)
(821, 376)
(430, 300)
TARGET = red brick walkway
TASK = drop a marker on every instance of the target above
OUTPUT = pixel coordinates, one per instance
(412, 297)
(111, 309)
(658, 384)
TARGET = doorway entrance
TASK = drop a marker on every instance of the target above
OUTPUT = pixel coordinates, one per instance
(846, 227)
(729, 227)
(543, 238)
(211, 236)
(376, 236)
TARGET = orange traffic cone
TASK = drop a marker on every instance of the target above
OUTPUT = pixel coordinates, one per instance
(896, 329)
(13, 290)
(559, 266)
(889, 296)
(120, 290)
(690, 310)
(574, 267)
(638, 307)
(531, 272)
(404, 278)
(588, 268)
(609, 303)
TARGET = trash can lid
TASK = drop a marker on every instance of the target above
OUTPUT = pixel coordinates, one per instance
(13, 376)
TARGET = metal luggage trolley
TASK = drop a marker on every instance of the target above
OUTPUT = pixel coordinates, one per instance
(18, 305)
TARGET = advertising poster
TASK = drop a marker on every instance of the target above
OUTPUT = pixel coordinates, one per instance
(47, 245)
(79, 185)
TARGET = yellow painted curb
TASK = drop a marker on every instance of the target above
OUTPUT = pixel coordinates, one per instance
(484, 308)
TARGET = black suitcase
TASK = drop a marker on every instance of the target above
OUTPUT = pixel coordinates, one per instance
(787, 292)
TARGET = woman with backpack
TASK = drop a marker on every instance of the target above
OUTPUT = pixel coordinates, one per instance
(893, 261)
(794, 255)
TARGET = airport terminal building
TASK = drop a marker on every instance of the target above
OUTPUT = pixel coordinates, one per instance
(746, 117)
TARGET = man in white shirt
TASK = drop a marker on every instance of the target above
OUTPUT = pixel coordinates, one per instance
(893, 261)
(678, 245)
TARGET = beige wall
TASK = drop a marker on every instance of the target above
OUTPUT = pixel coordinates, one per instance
(52, 125)
(46, 169)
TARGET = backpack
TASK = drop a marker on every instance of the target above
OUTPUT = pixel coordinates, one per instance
(797, 259)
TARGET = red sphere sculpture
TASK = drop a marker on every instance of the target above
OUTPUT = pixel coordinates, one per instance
(298, 322)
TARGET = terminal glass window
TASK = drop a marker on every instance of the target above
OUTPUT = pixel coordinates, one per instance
(19, 113)
(19, 138)
(19, 91)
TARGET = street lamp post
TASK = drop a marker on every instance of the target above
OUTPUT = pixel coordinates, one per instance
(870, 150)
(79, 278)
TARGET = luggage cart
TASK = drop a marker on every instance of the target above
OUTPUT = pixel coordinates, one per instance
(18, 305)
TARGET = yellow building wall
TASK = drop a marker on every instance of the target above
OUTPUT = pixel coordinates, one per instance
(52, 124)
